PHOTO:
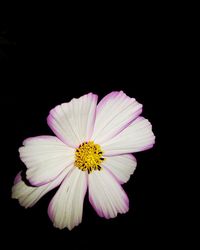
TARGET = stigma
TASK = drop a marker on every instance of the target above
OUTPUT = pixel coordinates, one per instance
(89, 156)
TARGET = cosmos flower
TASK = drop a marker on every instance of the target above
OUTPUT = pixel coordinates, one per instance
(91, 151)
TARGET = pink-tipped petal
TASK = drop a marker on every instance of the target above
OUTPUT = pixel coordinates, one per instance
(138, 136)
(45, 158)
(106, 195)
(121, 166)
(28, 195)
(66, 207)
(73, 122)
(114, 113)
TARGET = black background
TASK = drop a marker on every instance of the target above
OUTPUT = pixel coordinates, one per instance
(50, 63)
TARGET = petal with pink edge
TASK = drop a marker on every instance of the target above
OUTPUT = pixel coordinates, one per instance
(106, 195)
(45, 158)
(121, 166)
(114, 113)
(66, 207)
(28, 196)
(73, 122)
(138, 136)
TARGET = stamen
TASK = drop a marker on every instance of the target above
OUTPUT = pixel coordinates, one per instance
(88, 157)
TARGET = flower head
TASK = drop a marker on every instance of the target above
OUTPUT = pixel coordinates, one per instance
(91, 150)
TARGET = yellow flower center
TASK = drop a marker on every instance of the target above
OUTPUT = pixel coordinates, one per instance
(88, 156)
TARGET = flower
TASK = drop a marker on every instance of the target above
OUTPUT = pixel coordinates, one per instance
(91, 150)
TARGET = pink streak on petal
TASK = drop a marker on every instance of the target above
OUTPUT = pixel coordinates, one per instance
(50, 209)
(129, 122)
(51, 125)
(38, 184)
(126, 199)
(105, 99)
(17, 178)
(98, 210)
(50, 212)
(138, 112)
(118, 180)
(140, 118)
(95, 97)
(147, 147)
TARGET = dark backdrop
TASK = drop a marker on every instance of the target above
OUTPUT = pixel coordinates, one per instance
(49, 66)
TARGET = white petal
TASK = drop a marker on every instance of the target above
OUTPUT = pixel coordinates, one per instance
(66, 207)
(114, 112)
(28, 195)
(73, 122)
(106, 194)
(136, 137)
(121, 166)
(45, 158)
